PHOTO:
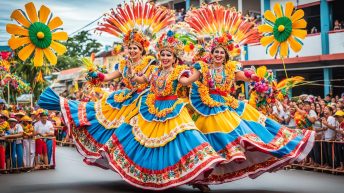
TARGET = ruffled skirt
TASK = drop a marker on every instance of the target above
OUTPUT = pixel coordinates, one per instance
(250, 142)
(92, 123)
(159, 153)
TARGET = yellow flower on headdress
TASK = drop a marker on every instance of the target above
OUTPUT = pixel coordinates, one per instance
(283, 28)
(36, 34)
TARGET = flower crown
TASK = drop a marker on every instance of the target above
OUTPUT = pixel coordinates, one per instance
(178, 42)
(136, 37)
(226, 42)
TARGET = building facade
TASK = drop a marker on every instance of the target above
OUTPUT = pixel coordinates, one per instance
(321, 61)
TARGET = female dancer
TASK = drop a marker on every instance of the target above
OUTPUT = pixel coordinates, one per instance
(161, 147)
(94, 122)
(251, 143)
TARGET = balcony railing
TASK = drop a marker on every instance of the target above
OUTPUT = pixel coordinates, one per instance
(311, 47)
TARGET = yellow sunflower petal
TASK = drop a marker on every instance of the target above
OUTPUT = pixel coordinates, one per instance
(50, 56)
(20, 18)
(16, 30)
(278, 10)
(38, 60)
(297, 15)
(284, 49)
(26, 52)
(294, 45)
(270, 16)
(300, 24)
(267, 40)
(31, 12)
(289, 8)
(261, 71)
(15, 43)
(273, 48)
(60, 36)
(44, 13)
(299, 33)
(55, 23)
(59, 48)
(265, 28)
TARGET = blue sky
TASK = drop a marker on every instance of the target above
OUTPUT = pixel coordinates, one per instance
(74, 13)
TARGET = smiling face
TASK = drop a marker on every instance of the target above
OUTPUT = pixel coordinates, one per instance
(219, 55)
(134, 51)
(167, 59)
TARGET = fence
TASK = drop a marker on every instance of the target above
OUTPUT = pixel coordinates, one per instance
(19, 154)
(329, 152)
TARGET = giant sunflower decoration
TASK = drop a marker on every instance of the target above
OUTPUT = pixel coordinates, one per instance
(283, 29)
(36, 34)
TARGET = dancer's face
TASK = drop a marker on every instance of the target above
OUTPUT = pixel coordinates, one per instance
(167, 59)
(219, 55)
(134, 51)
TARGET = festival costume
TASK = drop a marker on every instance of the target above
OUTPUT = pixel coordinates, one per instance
(250, 142)
(161, 147)
(95, 122)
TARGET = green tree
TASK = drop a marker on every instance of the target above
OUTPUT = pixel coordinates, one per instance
(82, 45)
(66, 62)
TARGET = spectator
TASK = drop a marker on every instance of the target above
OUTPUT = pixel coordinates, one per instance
(327, 99)
(329, 128)
(15, 131)
(28, 142)
(337, 25)
(314, 30)
(339, 148)
(43, 128)
(4, 126)
(289, 118)
(241, 97)
(2, 104)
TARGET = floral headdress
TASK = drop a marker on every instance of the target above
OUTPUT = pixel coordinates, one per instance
(137, 22)
(225, 26)
(136, 37)
(226, 42)
(179, 40)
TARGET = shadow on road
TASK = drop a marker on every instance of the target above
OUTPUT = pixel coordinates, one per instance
(116, 186)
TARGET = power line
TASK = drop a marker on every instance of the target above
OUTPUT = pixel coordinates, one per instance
(87, 25)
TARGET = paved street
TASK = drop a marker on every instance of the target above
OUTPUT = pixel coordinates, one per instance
(72, 175)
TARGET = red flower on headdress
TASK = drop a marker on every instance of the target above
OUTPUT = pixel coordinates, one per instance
(192, 46)
(170, 40)
(230, 47)
(220, 40)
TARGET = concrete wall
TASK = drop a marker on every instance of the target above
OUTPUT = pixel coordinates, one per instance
(336, 40)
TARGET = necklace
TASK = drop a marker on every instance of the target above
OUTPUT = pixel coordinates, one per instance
(162, 77)
(218, 75)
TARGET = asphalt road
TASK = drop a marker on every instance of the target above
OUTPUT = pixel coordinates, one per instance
(73, 176)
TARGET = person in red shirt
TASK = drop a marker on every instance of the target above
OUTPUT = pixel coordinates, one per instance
(339, 115)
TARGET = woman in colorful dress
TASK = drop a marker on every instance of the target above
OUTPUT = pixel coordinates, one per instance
(161, 147)
(94, 122)
(250, 142)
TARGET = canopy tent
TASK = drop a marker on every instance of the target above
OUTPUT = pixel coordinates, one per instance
(24, 98)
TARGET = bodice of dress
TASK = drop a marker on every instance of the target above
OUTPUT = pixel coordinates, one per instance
(144, 67)
(165, 83)
(217, 81)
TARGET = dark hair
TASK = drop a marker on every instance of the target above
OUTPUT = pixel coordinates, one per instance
(330, 108)
(307, 103)
(226, 53)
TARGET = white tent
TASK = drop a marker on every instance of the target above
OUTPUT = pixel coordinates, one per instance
(24, 98)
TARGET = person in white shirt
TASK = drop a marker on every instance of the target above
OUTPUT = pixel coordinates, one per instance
(15, 131)
(329, 128)
(43, 129)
